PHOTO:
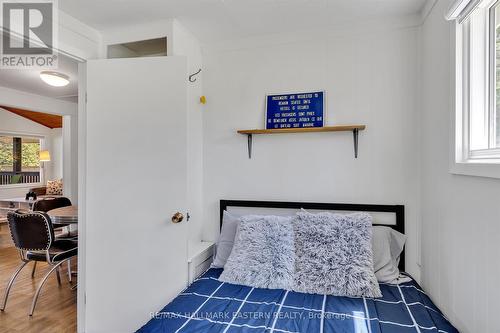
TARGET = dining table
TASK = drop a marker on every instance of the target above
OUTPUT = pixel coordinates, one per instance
(67, 216)
(64, 215)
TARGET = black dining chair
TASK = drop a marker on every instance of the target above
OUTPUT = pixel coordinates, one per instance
(47, 204)
(33, 235)
(50, 203)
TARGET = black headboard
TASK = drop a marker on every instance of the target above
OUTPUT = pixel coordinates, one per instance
(399, 210)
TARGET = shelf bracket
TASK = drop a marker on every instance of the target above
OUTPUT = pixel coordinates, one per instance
(355, 133)
(339, 128)
(249, 137)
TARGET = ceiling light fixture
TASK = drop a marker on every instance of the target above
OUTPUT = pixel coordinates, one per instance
(54, 79)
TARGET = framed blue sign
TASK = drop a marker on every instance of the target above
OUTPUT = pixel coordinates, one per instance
(295, 110)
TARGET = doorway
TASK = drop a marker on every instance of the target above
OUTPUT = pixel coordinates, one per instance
(39, 131)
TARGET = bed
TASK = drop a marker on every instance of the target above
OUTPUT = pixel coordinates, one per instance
(209, 305)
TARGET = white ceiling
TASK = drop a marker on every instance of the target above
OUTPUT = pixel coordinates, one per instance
(210, 21)
(216, 20)
(29, 80)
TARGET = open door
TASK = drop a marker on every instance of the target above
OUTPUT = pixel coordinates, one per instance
(135, 256)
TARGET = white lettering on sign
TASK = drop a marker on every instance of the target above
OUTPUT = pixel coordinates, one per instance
(295, 110)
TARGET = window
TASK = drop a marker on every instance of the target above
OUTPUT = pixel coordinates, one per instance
(484, 36)
(496, 57)
(19, 159)
(477, 127)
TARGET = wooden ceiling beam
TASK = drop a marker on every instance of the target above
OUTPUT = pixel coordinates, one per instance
(45, 119)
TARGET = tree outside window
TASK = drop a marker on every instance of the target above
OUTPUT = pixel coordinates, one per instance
(19, 160)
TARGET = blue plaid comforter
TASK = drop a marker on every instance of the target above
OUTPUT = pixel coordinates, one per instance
(209, 305)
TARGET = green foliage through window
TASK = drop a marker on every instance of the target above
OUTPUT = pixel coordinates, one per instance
(30, 154)
(6, 157)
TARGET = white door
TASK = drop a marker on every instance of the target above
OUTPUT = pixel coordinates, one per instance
(136, 258)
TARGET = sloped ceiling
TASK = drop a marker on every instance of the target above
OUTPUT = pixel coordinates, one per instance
(45, 119)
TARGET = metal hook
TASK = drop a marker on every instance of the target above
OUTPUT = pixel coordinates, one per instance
(191, 76)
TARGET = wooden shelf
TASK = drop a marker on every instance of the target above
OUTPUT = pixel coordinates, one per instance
(339, 128)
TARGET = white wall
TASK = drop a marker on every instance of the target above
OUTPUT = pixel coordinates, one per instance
(77, 39)
(70, 153)
(369, 75)
(56, 153)
(12, 123)
(460, 214)
(28, 101)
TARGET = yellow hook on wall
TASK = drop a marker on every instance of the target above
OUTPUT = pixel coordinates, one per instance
(203, 100)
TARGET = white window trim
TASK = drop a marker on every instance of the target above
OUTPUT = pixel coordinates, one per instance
(23, 185)
(461, 9)
(479, 163)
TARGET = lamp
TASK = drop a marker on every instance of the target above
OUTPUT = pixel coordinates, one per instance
(44, 157)
(54, 79)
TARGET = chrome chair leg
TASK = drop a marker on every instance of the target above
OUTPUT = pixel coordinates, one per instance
(33, 271)
(35, 298)
(58, 275)
(69, 270)
(11, 282)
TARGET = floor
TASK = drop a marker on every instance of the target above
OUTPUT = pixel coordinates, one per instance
(56, 308)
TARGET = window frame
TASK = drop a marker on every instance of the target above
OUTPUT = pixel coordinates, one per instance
(463, 160)
(43, 140)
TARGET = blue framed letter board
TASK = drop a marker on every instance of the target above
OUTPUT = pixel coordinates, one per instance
(295, 110)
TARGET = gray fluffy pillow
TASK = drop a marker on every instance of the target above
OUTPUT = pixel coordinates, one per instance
(263, 253)
(333, 255)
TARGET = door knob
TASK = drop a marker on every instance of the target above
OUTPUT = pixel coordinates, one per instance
(177, 217)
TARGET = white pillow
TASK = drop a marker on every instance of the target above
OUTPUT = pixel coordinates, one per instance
(387, 245)
(225, 242)
(263, 253)
(333, 255)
